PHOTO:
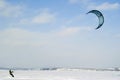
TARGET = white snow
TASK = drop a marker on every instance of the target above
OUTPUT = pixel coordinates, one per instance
(60, 75)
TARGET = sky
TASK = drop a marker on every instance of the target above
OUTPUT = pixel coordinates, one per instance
(59, 33)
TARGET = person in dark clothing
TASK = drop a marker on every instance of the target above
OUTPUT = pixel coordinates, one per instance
(11, 73)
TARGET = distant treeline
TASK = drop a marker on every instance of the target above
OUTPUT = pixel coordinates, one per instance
(69, 69)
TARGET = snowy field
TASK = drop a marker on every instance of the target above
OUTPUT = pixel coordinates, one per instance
(60, 75)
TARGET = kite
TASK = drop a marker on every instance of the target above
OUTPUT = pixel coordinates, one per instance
(100, 17)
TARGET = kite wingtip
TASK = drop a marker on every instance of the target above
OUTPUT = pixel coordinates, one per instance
(96, 28)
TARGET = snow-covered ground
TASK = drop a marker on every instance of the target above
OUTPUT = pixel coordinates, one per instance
(60, 75)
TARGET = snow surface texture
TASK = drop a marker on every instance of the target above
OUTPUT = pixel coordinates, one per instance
(60, 75)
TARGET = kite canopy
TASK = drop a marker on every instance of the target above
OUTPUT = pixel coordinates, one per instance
(100, 17)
